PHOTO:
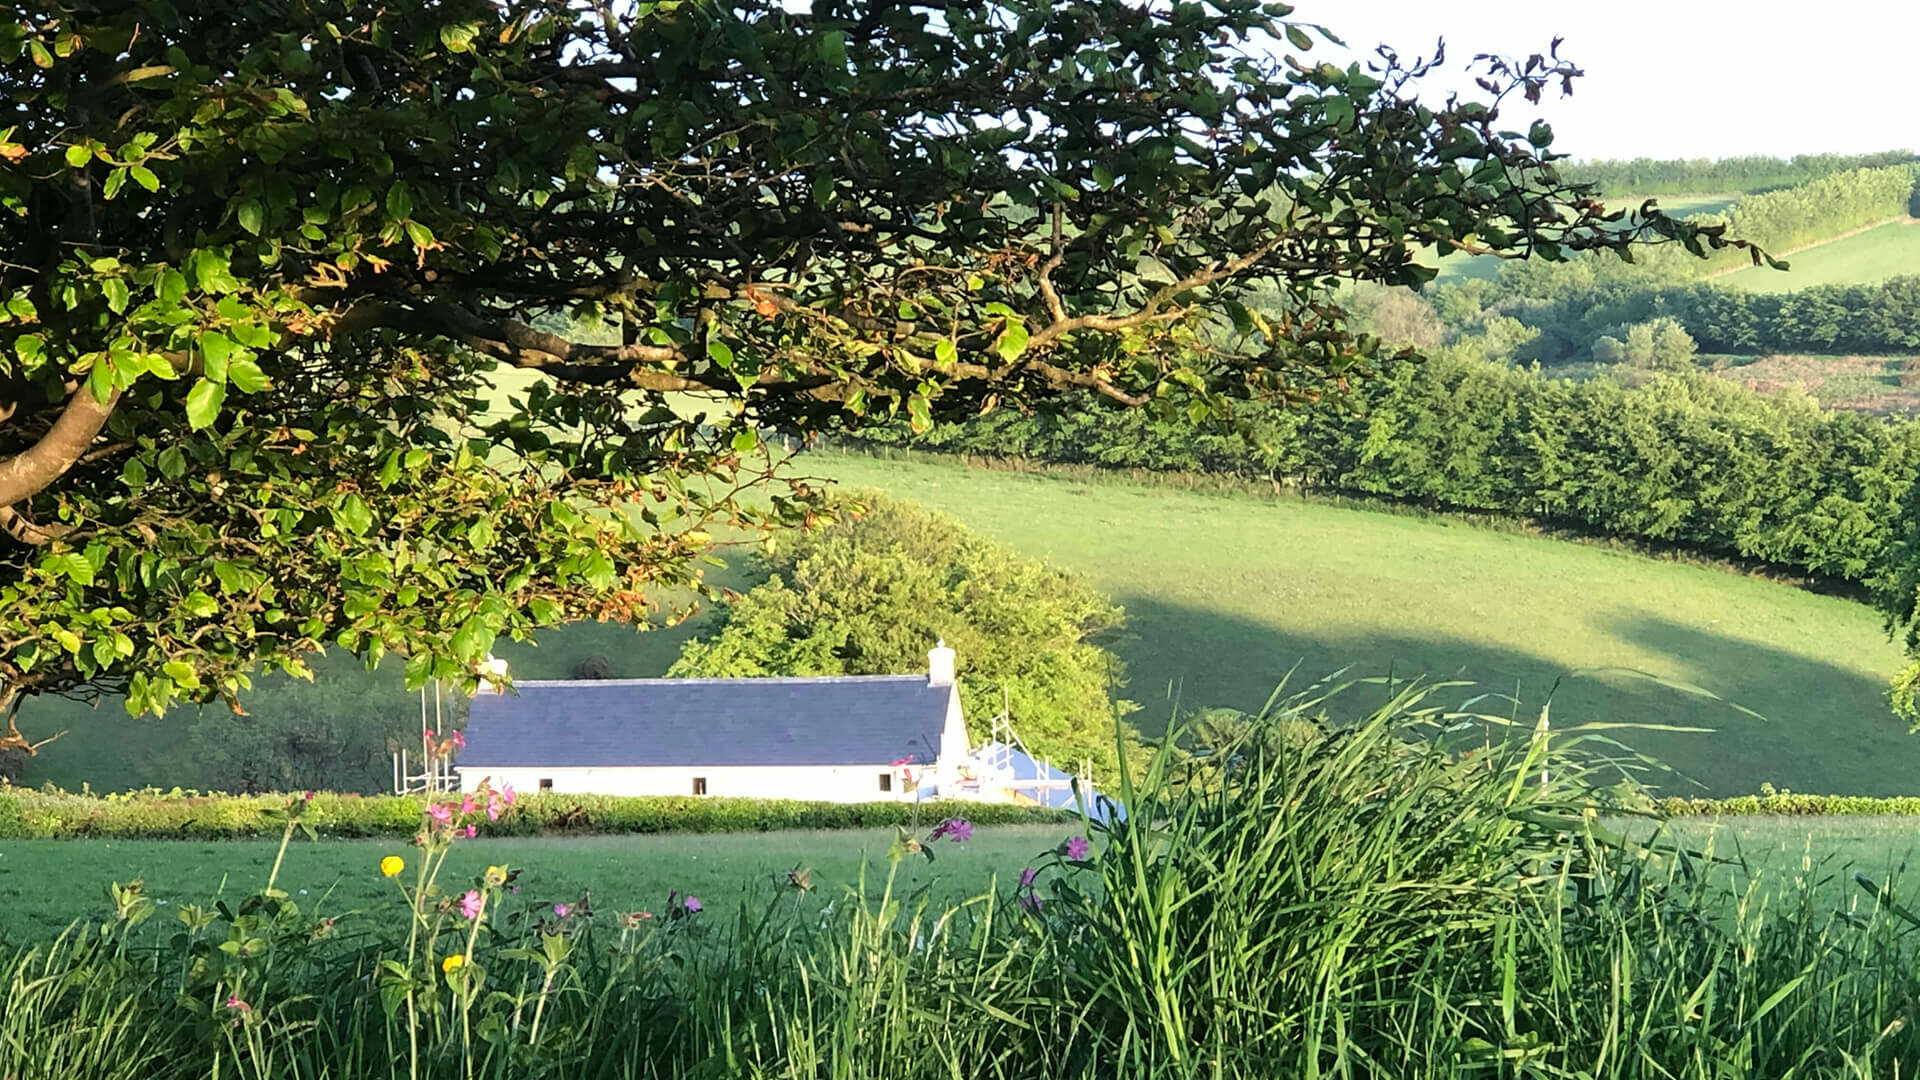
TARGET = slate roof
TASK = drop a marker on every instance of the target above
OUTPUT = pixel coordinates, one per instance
(840, 720)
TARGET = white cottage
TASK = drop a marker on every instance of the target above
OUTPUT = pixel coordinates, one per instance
(836, 739)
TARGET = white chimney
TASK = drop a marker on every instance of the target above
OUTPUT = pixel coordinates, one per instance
(940, 665)
(493, 675)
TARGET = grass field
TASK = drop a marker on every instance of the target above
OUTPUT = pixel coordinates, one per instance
(1870, 384)
(1225, 594)
(1874, 255)
(46, 884)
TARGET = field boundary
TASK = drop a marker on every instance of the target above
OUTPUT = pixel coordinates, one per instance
(1283, 490)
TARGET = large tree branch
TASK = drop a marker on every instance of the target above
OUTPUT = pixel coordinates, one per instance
(30, 471)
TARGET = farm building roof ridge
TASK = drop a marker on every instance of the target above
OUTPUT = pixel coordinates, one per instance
(610, 723)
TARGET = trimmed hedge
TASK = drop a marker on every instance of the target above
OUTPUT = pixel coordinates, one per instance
(1790, 804)
(184, 815)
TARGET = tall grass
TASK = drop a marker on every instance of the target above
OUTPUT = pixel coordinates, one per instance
(1380, 902)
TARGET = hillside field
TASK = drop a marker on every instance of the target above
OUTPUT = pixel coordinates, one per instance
(1225, 594)
(1873, 255)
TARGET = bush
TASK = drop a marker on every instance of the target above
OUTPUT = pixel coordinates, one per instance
(158, 815)
(1787, 803)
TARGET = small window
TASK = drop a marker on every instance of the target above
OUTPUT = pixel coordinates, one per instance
(546, 783)
(886, 781)
(699, 785)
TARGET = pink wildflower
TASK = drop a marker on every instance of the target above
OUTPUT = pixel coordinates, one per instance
(959, 829)
(1077, 848)
(234, 1002)
(493, 809)
(458, 740)
(506, 793)
(1027, 876)
(1032, 903)
(308, 796)
(563, 910)
(466, 805)
(441, 814)
(692, 903)
(472, 831)
(472, 904)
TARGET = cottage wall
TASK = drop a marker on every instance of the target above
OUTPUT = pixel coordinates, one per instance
(820, 783)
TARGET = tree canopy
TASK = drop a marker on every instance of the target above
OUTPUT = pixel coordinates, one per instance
(264, 264)
(871, 593)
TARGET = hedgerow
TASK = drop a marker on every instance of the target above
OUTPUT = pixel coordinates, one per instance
(162, 815)
(1688, 460)
(1791, 804)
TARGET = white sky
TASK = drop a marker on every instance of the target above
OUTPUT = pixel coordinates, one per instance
(1678, 78)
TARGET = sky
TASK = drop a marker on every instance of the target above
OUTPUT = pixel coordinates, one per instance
(1679, 78)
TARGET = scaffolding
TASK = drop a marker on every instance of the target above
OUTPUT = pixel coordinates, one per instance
(435, 771)
(995, 773)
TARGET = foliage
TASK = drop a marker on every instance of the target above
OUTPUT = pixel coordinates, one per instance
(1883, 317)
(1688, 460)
(26, 813)
(338, 733)
(1776, 220)
(1368, 905)
(1647, 176)
(870, 593)
(262, 260)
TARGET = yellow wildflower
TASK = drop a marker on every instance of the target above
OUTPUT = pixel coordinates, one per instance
(496, 875)
(453, 962)
(392, 865)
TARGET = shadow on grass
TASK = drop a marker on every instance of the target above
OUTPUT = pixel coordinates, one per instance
(1825, 729)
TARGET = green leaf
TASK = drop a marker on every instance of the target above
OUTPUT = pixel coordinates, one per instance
(216, 348)
(250, 215)
(173, 286)
(182, 674)
(78, 156)
(945, 354)
(1012, 341)
(353, 514)
(246, 375)
(1298, 38)
(919, 413)
(173, 463)
(115, 181)
(421, 236)
(203, 403)
(117, 294)
(720, 352)
(458, 37)
(144, 177)
(399, 201)
(745, 440)
(199, 605)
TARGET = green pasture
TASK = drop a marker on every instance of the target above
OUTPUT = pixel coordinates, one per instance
(1225, 594)
(46, 884)
(1874, 255)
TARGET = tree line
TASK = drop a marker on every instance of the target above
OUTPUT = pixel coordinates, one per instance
(1880, 318)
(1685, 176)
(1686, 460)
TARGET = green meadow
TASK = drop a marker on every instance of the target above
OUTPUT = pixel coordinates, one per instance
(1873, 255)
(1226, 594)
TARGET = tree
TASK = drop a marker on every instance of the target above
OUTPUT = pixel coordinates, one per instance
(871, 593)
(338, 735)
(267, 267)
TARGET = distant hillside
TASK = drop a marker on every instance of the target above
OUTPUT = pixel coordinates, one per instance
(1650, 176)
